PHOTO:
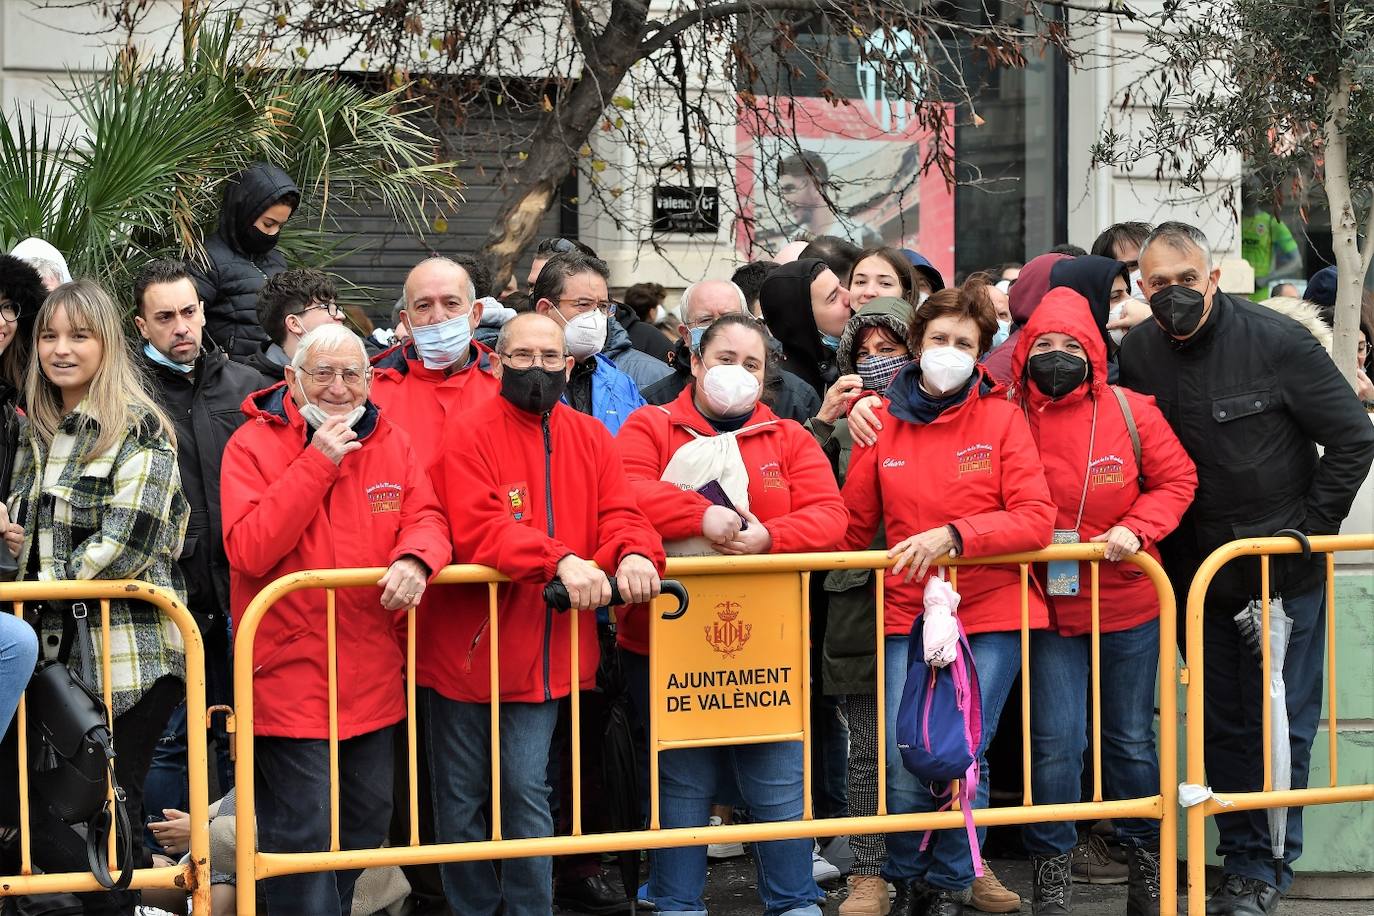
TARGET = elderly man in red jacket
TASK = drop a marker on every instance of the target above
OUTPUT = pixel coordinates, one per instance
(318, 478)
(535, 489)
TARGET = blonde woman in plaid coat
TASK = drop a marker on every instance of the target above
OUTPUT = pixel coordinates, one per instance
(96, 495)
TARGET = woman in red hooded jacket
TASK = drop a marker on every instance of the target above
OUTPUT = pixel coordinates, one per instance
(954, 471)
(787, 503)
(1127, 494)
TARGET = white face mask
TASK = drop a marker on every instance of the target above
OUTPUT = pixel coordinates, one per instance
(945, 369)
(1136, 291)
(730, 390)
(585, 334)
(315, 416)
(1116, 334)
(443, 344)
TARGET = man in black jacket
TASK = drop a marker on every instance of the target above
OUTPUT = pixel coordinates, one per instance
(701, 304)
(242, 254)
(1251, 394)
(202, 391)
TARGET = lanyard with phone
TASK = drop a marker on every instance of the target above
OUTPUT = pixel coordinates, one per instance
(1062, 575)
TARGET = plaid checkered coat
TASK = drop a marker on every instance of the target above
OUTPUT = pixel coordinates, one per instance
(119, 515)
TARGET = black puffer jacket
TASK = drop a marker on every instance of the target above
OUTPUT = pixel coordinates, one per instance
(1251, 396)
(206, 408)
(229, 283)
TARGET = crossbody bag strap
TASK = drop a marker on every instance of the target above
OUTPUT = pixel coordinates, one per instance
(97, 835)
(1132, 431)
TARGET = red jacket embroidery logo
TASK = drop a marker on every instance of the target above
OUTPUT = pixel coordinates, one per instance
(1107, 471)
(728, 635)
(518, 496)
(384, 497)
(976, 459)
(772, 476)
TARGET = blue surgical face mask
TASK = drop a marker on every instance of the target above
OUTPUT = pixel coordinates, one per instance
(697, 334)
(162, 359)
(831, 341)
(1003, 332)
(443, 344)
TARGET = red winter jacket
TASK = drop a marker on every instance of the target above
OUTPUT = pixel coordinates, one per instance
(791, 487)
(286, 508)
(421, 400)
(1125, 596)
(492, 477)
(974, 466)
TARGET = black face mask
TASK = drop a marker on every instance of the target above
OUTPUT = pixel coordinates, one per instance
(1178, 309)
(534, 389)
(1056, 373)
(255, 241)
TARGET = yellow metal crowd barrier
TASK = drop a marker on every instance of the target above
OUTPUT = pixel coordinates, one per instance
(721, 590)
(1334, 793)
(192, 878)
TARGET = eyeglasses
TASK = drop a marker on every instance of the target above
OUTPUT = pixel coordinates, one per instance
(555, 246)
(325, 375)
(333, 309)
(9, 311)
(525, 359)
(606, 307)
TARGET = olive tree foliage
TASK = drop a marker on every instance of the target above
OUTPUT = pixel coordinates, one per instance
(661, 84)
(1288, 85)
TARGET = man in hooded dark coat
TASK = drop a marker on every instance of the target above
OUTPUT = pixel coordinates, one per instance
(1092, 277)
(785, 300)
(241, 257)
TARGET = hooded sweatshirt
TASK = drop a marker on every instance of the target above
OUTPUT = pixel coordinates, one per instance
(1030, 287)
(974, 466)
(785, 301)
(230, 280)
(1071, 451)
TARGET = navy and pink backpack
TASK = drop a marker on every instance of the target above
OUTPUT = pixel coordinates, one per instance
(940, 726)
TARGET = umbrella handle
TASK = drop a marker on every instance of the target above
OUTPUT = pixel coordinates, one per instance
(556, 596)
(678, 591)
(1298, 536)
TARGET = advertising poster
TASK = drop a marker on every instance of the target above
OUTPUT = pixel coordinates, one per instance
(865, 157)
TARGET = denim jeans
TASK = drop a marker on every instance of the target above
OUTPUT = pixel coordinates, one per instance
(1233, 742)
(768, 780)
(1061, 679)
(18, 655)
(292, 778)
(829, 753)
(947, 862)
(167, 785)
(460, 759)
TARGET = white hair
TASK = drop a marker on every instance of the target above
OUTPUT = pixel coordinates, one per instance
(685, 301)
(327, 337)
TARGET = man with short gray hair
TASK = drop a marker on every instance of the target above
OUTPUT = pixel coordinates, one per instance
(1251, 395)
(702, 303)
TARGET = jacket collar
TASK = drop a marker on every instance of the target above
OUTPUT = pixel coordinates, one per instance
(274, 406)
(403, 359)
(682, 411)
(907, 402)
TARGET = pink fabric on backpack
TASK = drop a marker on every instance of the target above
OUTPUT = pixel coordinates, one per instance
(969, 697)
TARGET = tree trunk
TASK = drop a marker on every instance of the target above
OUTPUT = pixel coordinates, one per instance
(561, 133)
(1345, 228)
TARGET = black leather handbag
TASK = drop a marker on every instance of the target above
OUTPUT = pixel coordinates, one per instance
(71, 751)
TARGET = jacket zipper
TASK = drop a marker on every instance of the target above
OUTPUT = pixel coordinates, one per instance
(548, 518)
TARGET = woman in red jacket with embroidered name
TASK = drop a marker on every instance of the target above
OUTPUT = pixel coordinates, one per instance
(954, 472)
(782, 499)
(1127, 491)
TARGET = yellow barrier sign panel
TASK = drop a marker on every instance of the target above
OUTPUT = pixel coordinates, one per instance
(732, 666)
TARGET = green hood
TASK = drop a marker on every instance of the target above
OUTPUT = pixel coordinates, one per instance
(889, 312)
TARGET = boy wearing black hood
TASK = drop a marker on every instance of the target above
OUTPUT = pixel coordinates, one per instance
(806, 308)
(242, 254)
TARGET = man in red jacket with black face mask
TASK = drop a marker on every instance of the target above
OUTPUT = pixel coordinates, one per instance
(535, 489)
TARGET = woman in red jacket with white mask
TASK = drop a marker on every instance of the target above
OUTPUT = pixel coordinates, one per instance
(954, 472)
(780, 482)
(1127, 492)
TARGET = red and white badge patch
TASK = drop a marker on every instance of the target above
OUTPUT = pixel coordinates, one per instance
(1107, 471)
(384, 497)
(976, 459)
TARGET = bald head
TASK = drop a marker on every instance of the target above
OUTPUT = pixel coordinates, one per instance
(436, 290)
(530, 331)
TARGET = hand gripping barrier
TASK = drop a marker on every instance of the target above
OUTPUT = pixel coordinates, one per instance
(1206, 803)
(192, 878)
(722, 590)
